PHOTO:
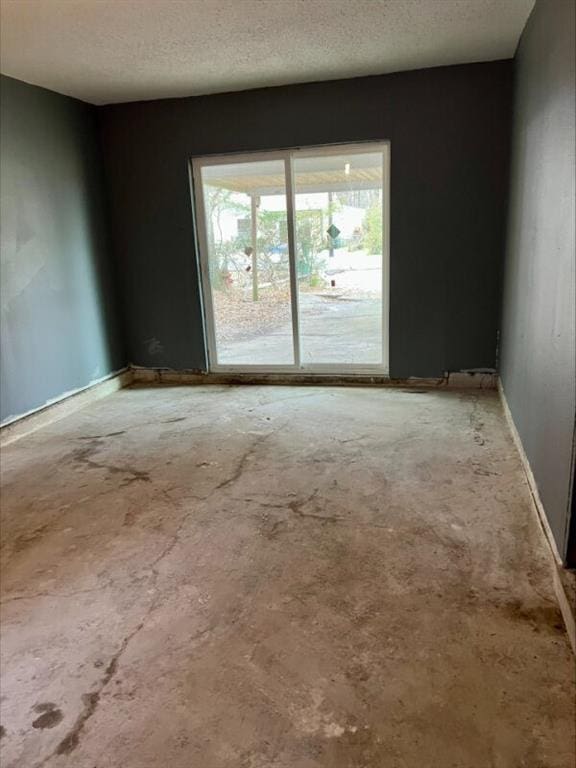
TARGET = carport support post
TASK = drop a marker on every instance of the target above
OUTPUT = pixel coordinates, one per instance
(254, 204)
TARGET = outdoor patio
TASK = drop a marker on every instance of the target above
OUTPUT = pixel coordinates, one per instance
(339, 324)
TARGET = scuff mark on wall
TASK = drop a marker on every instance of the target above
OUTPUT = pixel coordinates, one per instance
(154, 346)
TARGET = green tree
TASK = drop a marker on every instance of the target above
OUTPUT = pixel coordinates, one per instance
(310, 241)
(372, 226)
(218, 201)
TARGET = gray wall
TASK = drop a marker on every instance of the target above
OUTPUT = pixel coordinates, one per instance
(58, 330)
(449, 133)
(538, 343)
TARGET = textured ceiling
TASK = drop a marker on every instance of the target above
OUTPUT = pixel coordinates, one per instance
(105, 51)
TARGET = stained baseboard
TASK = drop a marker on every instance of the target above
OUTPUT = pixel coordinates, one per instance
(63, 406)
(560, 576)
(448, 381)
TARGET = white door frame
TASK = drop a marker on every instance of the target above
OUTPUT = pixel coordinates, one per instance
(206, 289)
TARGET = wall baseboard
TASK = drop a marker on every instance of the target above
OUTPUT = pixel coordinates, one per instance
(63, 405)
(565, 600)
(539, 507)
(565, 588)
(448, 381)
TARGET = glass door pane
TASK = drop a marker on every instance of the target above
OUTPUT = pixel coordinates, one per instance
(248, 264)
(339, 256)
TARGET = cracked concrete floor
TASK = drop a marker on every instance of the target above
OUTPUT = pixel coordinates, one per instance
(253, 577)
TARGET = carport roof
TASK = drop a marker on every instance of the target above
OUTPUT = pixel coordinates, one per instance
(311, 174)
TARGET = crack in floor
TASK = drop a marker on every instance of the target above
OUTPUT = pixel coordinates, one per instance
(87, 591)
(241, 465)
(296, 507)
(91, 700)
(84, 456)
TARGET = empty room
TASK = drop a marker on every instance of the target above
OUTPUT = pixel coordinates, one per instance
(288, 387)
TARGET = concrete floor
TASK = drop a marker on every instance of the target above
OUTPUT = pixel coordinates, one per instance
(213, 577)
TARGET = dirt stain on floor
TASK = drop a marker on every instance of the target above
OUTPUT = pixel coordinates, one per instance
(543, 618)
(50, 716)
(29, 539)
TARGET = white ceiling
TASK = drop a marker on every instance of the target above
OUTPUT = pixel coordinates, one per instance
(105, 51)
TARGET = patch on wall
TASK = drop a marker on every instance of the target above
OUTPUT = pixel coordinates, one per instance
(154, 347)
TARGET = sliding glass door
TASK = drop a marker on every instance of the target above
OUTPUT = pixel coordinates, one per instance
(294, 259)
(338, 205)
(247, 286)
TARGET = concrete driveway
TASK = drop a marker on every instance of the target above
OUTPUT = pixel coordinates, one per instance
(333, 329)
